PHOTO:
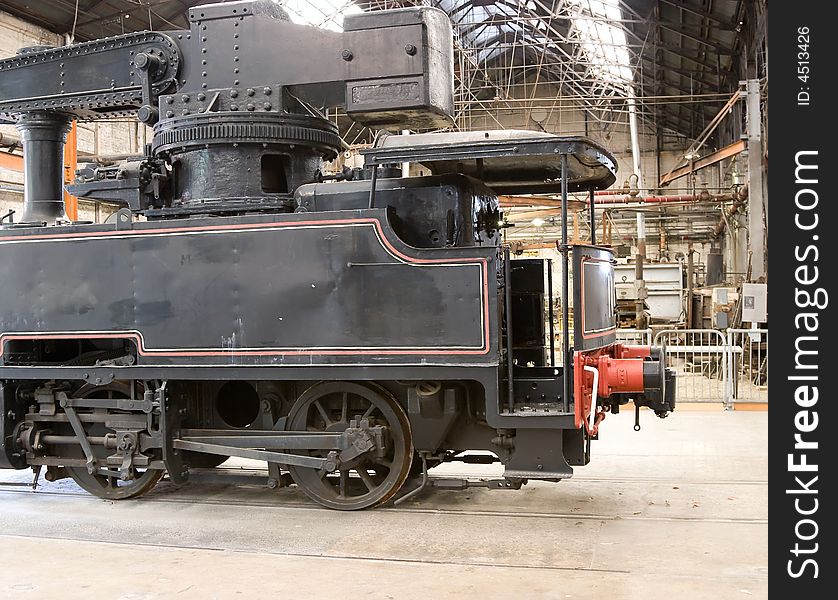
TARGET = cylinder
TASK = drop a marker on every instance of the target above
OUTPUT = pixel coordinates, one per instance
(42, 136)
(620, 375)
(222, 160)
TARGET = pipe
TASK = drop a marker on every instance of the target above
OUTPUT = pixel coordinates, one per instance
(405, 165)
(641, 218)
(107, 158)
(703, 197)
(638, 202)
(373, 181)
(550, 296)
(73, 440)
(507, 296)
(566, 356)
(594, 391)
(536, 203)
(731, 211)
(690, 278)
(622, 191)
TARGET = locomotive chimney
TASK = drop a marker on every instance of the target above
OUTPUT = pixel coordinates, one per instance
(42, 135)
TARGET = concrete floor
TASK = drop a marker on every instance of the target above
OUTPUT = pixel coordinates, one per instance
(678, 510)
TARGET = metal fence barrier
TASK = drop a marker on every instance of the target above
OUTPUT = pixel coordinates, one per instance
(699, 358)
(638, 337)
(748, 365)
(711, 365)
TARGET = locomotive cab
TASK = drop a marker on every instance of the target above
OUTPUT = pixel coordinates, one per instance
(589, 374)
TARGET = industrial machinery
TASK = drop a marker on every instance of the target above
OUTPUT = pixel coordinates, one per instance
(351, 332)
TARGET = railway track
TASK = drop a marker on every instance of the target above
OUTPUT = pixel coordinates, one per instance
(196, 494)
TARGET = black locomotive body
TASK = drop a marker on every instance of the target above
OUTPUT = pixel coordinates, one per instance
(349, 333)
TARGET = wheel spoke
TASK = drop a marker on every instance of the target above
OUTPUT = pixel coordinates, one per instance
(344, 479)
(383, 462)
(322, 412)
(369, 412)
(365, 477)
(344, 407)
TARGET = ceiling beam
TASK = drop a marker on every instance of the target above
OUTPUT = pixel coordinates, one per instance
(679, 52)
(691, 34)
(720, 51)
(128, 10)
(721, 21)
(694, 75)
(711, 159)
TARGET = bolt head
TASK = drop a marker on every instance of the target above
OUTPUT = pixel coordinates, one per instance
(410, 49)
(347, 54)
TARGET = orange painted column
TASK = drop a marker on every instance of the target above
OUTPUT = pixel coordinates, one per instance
(71, 203)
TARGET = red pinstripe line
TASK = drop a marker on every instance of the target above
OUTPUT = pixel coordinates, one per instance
(145, 352)
(133, 232)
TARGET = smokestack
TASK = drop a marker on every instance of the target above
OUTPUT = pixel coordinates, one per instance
(42, 136)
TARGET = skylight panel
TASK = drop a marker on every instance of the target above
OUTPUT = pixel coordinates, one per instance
(326, 14)
(603, 40)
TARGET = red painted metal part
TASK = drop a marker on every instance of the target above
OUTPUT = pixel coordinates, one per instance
(620, 370)
(619, 375)
(622, 351)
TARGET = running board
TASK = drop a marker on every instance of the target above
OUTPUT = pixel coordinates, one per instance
(452, 483)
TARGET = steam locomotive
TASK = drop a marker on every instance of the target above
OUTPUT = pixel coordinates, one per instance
(351, 331)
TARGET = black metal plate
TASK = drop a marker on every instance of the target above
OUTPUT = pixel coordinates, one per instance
(508, 161)
(331, 288)
(594, 298)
